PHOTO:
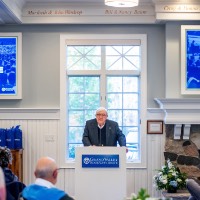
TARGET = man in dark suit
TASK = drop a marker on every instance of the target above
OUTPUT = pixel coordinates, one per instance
(102, 131)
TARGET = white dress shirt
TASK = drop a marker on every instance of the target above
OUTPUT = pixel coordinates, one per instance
(45, 183)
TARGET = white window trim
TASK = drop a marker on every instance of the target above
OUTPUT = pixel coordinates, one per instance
(62, 137)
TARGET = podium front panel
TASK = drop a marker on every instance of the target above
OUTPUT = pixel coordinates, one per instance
(100, 173)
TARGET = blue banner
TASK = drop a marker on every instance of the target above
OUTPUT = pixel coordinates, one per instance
(8, 65)
(100, 161)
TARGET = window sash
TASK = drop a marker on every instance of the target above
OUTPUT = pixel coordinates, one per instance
(63, 98)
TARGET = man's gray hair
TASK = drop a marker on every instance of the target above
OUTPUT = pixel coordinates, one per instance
(100, 109)
(44, 172)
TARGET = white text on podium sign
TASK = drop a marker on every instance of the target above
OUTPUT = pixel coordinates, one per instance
(100, 161)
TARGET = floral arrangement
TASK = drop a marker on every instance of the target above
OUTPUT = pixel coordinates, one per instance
(170, 178)
(5, 157)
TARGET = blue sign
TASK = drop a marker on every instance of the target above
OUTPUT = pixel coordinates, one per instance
(8, 65)
(100, 161)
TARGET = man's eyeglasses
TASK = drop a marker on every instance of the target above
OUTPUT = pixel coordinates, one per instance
(56, 170)
(101, 115)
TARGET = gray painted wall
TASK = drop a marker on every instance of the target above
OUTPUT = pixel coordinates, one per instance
(40, 60)
(173, 59)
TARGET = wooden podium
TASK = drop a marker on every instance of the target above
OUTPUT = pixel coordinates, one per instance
(100, 173)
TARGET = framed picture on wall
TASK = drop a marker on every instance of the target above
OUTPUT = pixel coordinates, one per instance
(190, 59)
(10, 65)
(154, 127)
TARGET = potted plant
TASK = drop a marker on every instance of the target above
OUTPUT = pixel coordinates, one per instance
(170, 178)
(142, 195)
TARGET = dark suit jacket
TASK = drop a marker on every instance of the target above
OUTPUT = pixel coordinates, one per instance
(14, 189)
(113, 134)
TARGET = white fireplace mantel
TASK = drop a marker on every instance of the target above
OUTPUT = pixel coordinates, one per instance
(180, 112)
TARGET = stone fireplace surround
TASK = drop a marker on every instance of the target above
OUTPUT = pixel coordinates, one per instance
(182, 128)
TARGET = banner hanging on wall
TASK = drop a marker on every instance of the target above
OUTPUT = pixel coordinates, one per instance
(10, 65)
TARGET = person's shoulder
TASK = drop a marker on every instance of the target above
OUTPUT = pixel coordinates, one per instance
(9, 175)
(108, 121)
(7, 170)
(91, 121)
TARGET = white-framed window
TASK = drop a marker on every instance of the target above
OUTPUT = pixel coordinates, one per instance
(103, 70)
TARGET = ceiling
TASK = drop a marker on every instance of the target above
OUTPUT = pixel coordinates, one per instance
(94, 11)
(73, 1)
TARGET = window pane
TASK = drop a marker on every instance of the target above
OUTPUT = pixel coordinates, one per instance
(89, 114)
(91, 101)
(131, 62)
(122, 57)
(76, 118)
(130, 118)
(133, 152)
(72, 147)
(75, 134)
(115, 115)
(114, 63)
(114, 101)
(122, 92)
(83, 84)
(76, 101)
(83, 92)
(91, 84)
(134, 50)
(83, 57)
(76, 84)
(131, 134)
(132, 141)
(114, 84)
(130, 84)
(83, 100)
(123, 106)
(130, 101)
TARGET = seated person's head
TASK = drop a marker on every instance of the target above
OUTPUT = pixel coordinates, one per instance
(5, 157)
(46, 169)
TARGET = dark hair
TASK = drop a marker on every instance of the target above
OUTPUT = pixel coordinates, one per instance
(5, 157)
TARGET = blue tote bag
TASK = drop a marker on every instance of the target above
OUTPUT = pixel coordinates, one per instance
(18, 137)
(2, 137)
(10, 138)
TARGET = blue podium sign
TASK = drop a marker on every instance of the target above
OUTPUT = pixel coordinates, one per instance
(100, 161)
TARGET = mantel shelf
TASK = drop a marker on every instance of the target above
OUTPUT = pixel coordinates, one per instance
(185, 104)
(180, 112)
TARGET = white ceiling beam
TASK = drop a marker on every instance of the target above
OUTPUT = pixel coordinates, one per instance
(13, 9)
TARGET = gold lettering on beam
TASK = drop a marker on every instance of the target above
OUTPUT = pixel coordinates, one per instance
(58, 12)
(75, 12)
(182, 8)
(125, 12)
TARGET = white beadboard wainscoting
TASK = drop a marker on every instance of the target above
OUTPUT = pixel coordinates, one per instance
(38, 124)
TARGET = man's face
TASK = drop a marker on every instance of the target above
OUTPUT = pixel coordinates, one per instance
(101, 117)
